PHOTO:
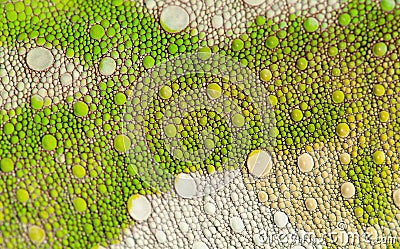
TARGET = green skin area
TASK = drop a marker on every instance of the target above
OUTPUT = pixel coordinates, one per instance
(53, 176)
(220, 129)
(103, 219)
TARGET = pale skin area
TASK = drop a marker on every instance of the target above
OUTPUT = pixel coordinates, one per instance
(295, 196)
(203, 14)
(66, 75)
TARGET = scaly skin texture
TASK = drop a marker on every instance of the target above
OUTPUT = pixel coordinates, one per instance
(63, 168)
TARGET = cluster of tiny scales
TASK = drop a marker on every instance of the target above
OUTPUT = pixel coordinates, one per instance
(67, 68)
